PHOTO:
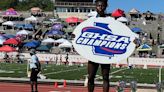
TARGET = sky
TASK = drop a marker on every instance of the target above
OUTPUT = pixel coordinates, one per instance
(155, 6)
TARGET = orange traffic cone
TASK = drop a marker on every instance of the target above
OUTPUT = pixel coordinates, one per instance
(64, 83)
(56, 85)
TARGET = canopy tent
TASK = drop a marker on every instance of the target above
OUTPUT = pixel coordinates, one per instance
(66, 44)
(32, 18)
(12, 41)
(123, 19)
(136, 30)
(23, 32)
(134, 11)
(48, 40)
(118, 13)
(43, 48)
(7, 48)
(61, 40)
(8, 23)
(149, 15)
(144, 47)
(54, 32)
(134, 14)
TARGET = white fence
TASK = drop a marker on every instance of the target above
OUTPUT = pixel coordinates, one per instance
(56, 58)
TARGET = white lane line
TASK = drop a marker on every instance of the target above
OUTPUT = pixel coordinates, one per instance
(63, 71)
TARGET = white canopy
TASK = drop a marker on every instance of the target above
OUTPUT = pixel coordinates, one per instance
(23, 32)
(122, 19)
(66, 44)
(48, 40)
(32, 18)
(8, 23)
(61, 40)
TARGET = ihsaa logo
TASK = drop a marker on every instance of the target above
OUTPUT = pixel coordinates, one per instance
(102, 41)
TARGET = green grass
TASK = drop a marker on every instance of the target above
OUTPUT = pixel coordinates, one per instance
(79, 72)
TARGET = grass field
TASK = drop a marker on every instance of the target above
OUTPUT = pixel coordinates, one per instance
(77, 72)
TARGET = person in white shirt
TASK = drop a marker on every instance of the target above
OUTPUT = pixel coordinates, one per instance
(35, 68)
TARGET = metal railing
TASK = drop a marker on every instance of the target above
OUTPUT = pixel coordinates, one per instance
(74, 4)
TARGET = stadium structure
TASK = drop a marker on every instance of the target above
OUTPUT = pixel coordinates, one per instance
(69, 8)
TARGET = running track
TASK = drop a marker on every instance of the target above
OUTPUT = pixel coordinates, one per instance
(21, 87)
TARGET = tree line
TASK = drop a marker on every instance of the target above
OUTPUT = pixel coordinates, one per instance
(24, 5)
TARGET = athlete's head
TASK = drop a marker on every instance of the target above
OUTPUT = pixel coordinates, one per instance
(101, 5)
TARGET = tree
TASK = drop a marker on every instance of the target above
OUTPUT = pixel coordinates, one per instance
(8, 4)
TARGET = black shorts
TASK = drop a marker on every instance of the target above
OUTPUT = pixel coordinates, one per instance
(34, 73)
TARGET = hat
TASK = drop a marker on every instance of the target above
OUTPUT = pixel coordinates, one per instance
(33, 51)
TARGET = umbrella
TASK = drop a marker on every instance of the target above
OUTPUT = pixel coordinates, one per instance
(55, 32)
(144, 47)
(9, 36)
(3, 37)
(61, 40)
(10, 12)
(57, 27)
(49, 40)
(72, 20)
(43, 48)
(122, 19)
(32, 18)
(23, 32)
(32, 44)
(8, 23)
(1, 41)
(28, 26)
(136, 29)
(11, 41)
(7, 48)
(66, 44)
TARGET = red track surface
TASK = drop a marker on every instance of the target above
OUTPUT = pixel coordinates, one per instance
(20, 87)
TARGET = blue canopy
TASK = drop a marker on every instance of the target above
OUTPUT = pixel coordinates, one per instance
(136, 29)
(55, 32)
